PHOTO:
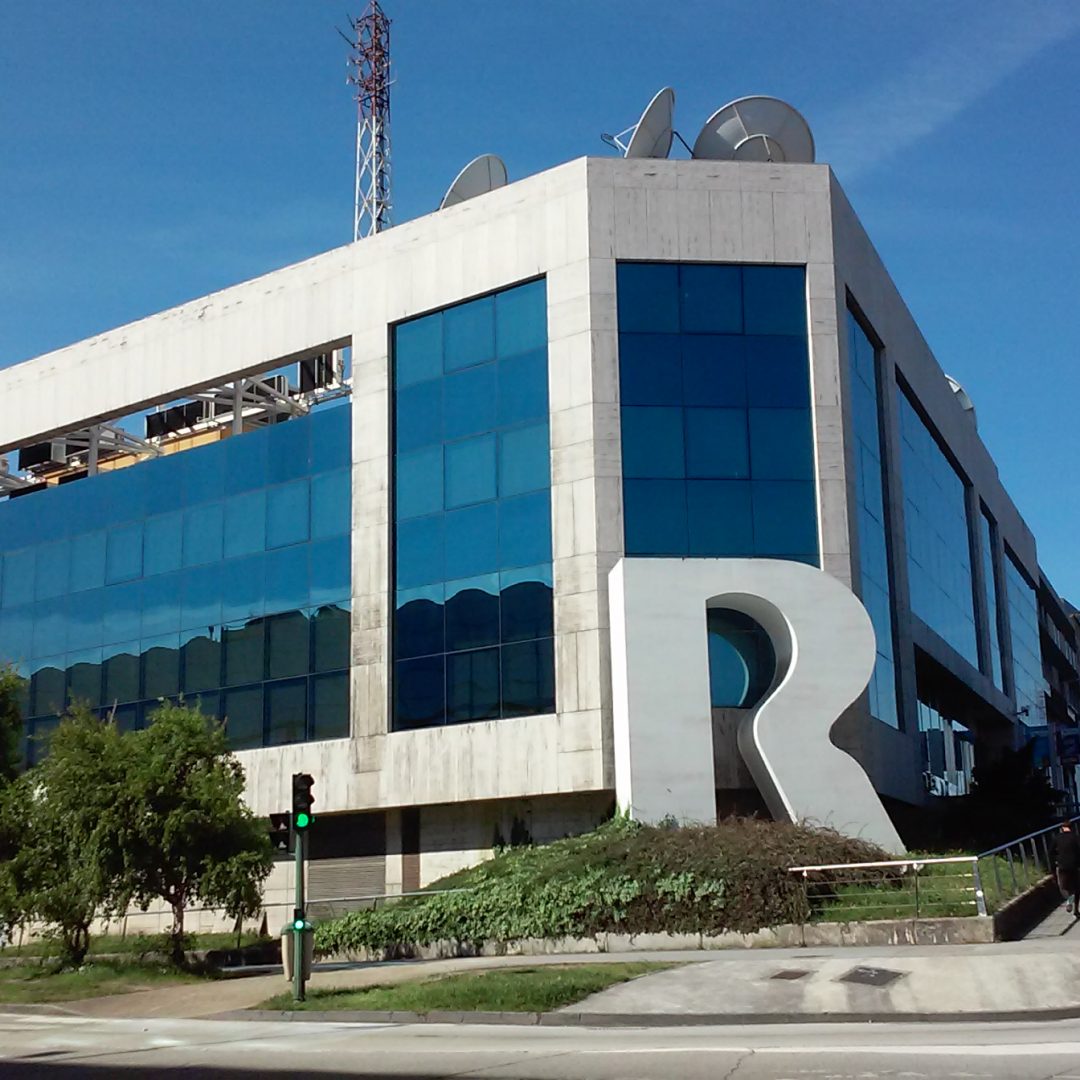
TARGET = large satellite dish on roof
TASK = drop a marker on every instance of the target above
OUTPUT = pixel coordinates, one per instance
(651, 136)
(481, 175)
(756, 129)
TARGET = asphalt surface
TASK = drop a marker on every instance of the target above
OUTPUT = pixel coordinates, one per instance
(65, 1048)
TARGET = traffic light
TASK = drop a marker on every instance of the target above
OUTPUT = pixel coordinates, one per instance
(302, 799)
(281, 832)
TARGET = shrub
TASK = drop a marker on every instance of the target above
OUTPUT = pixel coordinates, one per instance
(624, 877)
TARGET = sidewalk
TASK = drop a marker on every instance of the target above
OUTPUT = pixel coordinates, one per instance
(1036, 977)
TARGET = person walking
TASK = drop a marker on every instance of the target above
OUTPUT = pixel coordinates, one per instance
(1066, 857)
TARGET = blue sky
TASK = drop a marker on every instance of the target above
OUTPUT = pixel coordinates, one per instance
(153, 152)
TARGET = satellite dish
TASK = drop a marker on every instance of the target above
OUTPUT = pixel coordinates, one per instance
(651, 136)
(755, 129)
(481, 175)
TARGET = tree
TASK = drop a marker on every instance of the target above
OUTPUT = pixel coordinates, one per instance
(59, 819)
(11, 724)
(183, 829)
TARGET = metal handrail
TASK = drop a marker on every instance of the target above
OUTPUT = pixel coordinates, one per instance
(890, 862)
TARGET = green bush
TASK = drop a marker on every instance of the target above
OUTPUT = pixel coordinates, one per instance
(624, 878)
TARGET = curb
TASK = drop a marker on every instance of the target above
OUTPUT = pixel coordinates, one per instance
(646, 1020)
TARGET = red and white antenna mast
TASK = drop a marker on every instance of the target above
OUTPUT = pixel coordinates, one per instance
(369, 66)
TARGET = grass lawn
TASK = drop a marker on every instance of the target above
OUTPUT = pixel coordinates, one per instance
(523, 989)
(29, 984)
(130, 944)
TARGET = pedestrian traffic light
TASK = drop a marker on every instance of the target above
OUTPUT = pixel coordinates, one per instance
(281, 832)
(302, 799)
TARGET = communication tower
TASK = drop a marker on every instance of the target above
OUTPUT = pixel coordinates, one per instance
(369, 65)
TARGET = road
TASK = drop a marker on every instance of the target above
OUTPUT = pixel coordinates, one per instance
(66, 1048)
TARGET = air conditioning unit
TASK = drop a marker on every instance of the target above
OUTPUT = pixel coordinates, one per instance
(317, 372)
(43, 455)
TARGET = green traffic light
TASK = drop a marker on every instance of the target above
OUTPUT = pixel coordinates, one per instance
(303, 820)
(298, 924)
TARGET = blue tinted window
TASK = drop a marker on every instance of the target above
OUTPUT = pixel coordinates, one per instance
(419, 622)
(710, 299)
(246, 460)
(289, 456)
(992, 604)
(287, 514)
(162, 543)
(331, 503)
(719, 518)
(785, 518)
(419, 692)
(420, 552)
(655, 513)
(469, 402)
(1028, 683)
(200, 597)
(714, 370)
(528, 677)
(18, 577)
(774, 300)
(419, 483)
(692, 457)
(331, 437)
(472, 506)
(650, 369)
(472, 541)
(472, 613)
(244, 592)
(87, 567)
(875, 578)
(418, 350)
(419, 416)
(123, 557)
(84, 614)
(648, 297)
(716, 444)
(470, 471)
(524, 460)
(160, 599)
(287, 578)
(469, 334)
(52, 570)
(777, 372)
(244, 717)
(330, 570)
(781, 444)
(523, 388)
(245, 524)
(472, 685)
(121, 615)
(521, 319)
(525, 530)
(203, 530)
(50, 627)
(330, 706)
(938, 541)
(202, 474)
(653, 442)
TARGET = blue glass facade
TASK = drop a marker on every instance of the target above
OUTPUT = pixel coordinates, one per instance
(220, 573)
(473, 619)
(938, 541)
(717, 438)
(871, 521)
(992, 606)
(1028, 683)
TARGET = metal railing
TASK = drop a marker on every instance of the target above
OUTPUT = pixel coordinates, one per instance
(917, 888)
(927, 887)
(1021, 864)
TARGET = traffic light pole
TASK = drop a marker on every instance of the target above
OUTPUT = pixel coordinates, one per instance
(299, 933)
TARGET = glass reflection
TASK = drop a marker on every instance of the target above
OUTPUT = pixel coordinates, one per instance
(472, 542)
(155, 582)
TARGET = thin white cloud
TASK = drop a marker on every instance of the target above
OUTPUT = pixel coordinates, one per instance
(941, 82)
